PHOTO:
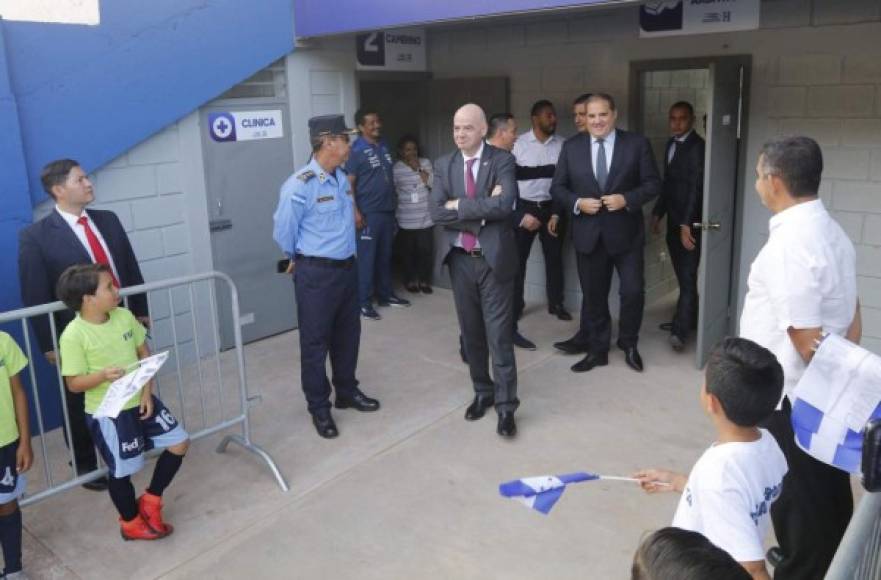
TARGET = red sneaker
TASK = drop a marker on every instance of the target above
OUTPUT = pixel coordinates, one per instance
(138, 529)
(150, 507)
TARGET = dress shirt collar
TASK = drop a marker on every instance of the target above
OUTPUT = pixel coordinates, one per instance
(70, 218)
(320, 172)
(533, 138)
(683, 138)
(476, 155)
(609, 139)
(797, 213)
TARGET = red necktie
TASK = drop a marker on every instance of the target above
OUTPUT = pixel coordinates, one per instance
(469, 240)
(97, 248)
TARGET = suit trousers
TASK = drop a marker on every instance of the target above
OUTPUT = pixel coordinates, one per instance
(329, 320)
(485, 308)
(813, 510)
(552, 248)
(685, 265)
(374, 243)
(595, 275)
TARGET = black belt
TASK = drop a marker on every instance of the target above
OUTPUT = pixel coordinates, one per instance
(475, 253)
(328, 262)
(538, 204)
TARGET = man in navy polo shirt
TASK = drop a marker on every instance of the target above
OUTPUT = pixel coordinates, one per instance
(370, 174)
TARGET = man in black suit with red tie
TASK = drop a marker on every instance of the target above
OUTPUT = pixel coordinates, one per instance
(604, 176)
(682, 200)
(70, 235)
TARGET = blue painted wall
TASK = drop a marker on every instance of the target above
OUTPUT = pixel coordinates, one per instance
(93, 92)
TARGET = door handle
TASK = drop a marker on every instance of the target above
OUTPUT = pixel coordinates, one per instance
(707, 226)
(219, 225)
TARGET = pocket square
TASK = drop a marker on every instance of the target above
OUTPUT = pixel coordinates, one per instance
(497, 190)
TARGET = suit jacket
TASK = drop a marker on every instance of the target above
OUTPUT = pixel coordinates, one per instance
(486, 216)
(48, 247)
(682, 194)
(632, 173)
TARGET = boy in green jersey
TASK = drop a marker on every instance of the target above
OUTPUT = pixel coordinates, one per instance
(97, 347)
(16, 456)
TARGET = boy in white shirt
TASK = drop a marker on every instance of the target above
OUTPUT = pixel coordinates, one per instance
(728, 495)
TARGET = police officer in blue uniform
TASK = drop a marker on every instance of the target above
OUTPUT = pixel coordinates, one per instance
(315, 228)
(370, 174)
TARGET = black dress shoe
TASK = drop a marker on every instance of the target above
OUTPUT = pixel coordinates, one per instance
(590, 361)
(359, 401)
(571, 346)
(506, 427)
(324, 425)
(631, 357)
(478, 407)
(99, 484)
(666, 326)
(560, 312)
(521, 341)
(677, 342)
(426, 288)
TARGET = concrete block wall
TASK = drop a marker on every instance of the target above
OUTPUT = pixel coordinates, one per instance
(815, 71)
(144, 187)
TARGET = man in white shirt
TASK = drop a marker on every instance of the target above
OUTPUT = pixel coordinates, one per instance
(71, 235)
(801, 286)
(537, 152)
(731, 488)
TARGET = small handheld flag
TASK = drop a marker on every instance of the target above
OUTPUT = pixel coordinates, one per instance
(542, 492)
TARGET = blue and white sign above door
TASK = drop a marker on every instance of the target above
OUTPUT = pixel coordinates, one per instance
(401, 50)
(245, 125)
(675, 17)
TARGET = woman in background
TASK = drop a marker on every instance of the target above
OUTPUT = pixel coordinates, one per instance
(413, 179)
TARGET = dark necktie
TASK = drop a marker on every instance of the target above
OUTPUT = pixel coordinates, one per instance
(469, 240)
(602, 171)
(96, 247)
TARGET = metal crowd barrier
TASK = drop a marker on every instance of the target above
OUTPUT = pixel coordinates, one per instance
(859, 555)
(202, 410)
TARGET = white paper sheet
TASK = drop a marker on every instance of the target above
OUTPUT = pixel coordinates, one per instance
(124, 388)
(843, 381)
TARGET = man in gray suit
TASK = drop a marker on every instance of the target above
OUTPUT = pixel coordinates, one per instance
(473, 198)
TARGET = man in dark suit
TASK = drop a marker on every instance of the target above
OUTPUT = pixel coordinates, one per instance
(473, 197)
(71, 235)
(604, 176)
(682, 201)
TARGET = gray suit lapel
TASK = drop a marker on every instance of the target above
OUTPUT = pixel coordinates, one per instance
(484, 170)
(457, 175)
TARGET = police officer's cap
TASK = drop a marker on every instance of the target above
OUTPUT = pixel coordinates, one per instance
(328, 125)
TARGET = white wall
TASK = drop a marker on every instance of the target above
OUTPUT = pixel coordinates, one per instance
(816, 70)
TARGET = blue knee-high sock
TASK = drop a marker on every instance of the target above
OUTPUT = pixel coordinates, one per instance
(10, 538)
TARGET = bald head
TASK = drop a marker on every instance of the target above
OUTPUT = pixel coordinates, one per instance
(469, 128)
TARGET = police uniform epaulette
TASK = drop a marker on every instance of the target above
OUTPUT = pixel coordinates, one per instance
(306, 175)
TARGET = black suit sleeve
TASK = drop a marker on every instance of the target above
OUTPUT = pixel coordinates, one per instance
(34, 281)
(561, 185)
(695, 199)
(649, 181)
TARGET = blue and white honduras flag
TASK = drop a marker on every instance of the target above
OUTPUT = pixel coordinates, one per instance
(542, 492)
(838, 394)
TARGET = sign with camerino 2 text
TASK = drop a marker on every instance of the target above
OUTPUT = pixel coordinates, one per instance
(402, 50)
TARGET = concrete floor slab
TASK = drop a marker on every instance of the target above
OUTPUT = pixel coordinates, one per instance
(412, 490)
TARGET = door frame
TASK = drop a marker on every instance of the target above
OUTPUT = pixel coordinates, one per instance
(635, 122)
